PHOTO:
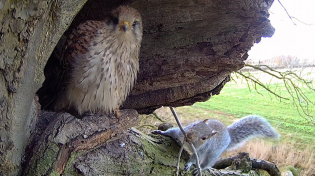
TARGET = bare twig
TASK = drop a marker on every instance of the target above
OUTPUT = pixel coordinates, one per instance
(183, 142)
(286, 12)
(157, 117)
(178, 159)
(293, 84)
(191, 145)
(291, 17)
(151, 126)
(177, 121)
(197, 158)
(261, 84)
(301, 21)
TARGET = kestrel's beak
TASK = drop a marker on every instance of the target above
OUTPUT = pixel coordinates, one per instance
(124, 25)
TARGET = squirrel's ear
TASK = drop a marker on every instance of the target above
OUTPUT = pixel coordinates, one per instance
(205, 121)
(214, 132)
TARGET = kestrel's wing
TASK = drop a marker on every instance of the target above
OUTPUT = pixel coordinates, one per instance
(60, 66)
(79, 41)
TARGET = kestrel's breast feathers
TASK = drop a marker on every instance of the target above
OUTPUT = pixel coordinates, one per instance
(101, 62)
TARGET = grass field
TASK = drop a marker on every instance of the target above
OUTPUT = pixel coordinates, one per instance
(237, 100)
(297, 145)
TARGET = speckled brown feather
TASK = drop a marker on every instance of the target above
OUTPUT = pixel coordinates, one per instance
(101, 63)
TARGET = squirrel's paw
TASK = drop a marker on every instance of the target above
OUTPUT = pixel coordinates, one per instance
(187, 166)
(195, 172)
(156, 132)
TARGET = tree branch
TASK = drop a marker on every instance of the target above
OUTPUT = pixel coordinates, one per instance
(286, 12)
(291, 17)
(236, 161)
(295, 85)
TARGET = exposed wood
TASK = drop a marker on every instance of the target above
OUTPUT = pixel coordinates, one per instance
(236, 161)
(271, 168)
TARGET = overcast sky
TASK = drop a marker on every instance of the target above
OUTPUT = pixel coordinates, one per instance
(289, 39)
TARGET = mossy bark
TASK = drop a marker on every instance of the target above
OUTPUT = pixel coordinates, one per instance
(102, 145)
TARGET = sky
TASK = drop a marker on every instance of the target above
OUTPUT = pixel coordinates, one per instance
(289, 39)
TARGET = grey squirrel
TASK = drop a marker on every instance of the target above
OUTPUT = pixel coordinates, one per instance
(211, 137)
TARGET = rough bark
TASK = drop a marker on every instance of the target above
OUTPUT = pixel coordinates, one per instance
(29, 31)
(189, 48)
(61, 138)
(104, 145)
(242, 161)
(188, 51)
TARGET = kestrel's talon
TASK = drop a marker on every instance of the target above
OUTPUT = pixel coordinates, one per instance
(117, 113)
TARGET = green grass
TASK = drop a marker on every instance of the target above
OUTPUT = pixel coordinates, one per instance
(239, 101)
(297, 145)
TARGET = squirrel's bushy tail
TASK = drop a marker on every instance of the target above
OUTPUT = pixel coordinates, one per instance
(249, 127)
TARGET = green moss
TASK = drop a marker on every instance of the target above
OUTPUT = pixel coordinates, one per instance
(54, 173)
(292, 169)
(44, 161)
(69, 170)
(164, 155)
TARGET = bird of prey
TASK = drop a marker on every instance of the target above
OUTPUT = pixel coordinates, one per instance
(101, 61)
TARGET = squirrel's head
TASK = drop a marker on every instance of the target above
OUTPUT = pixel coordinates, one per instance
(199, 133)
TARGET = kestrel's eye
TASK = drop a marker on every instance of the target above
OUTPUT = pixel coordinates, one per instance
(115, 20)
(135, 23)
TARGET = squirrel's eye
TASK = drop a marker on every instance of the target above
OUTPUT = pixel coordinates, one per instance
(135, 23)
(204, 138)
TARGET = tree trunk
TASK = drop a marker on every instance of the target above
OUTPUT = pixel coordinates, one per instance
(29, 32)
(105, 145)
(188, 51)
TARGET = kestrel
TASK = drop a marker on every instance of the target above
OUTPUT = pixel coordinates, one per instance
(101, 61)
